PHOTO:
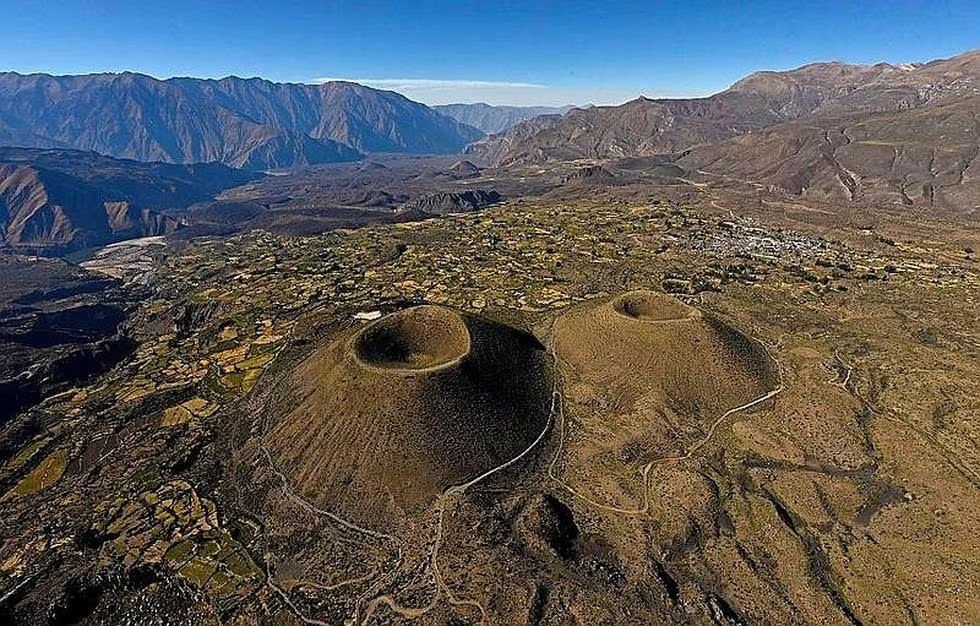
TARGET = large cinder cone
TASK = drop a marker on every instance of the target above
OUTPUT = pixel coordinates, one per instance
(378, 423)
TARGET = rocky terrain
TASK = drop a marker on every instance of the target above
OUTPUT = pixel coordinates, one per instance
(470, 200)
(384, 189)
(646, 127)
(913, 127)
(921, 158)
(246, 123)
(825, 438)
(496, 149)
(59, 325)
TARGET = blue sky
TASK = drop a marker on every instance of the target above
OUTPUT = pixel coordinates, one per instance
(500, 52)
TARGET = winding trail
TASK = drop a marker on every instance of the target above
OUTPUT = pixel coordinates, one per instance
(645, 471)
(450, 498)
(379, 581)
(373, 598)
(312, 508)
(287, 491)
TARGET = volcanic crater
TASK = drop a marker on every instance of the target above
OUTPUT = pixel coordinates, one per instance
(414, 340)
(650, 306)
(643, 340)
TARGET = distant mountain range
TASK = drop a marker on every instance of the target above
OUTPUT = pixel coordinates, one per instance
(905, 133)
(243, 123)
(898, 134)
(645, 127)
(56, 201)
(493, 118)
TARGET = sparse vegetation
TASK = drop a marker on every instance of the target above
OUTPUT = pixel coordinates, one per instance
(47, 472)
(637, 452)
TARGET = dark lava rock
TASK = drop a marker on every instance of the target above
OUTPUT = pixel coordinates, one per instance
(59, 325)
(545, 525)
(592, 172)
(464, 169)
(454, 202)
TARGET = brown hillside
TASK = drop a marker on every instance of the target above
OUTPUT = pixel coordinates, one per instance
(644, 342)
(922, 158)
(645, 127)
(57, 201)
(646, 377)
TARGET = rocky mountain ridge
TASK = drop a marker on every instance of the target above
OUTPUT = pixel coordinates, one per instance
(56, 201)
(495, 118)
(645, 127)
(245, 123)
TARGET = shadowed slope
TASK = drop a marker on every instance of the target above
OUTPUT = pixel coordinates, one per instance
(381, 422)
(248, 123)
(424, 338)
(61, 200)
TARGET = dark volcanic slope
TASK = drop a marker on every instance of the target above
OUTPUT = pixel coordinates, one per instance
(461, 396)
(243, 123)
(60, 200)
(454, 202)
(495, 119)
(391, 188)
(646, 127)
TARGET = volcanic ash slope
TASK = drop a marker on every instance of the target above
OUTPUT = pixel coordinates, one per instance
(646, 377)
(384, 420)
(644, 342)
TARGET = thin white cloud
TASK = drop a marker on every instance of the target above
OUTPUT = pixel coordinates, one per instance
(433, 83)
(438, 91)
